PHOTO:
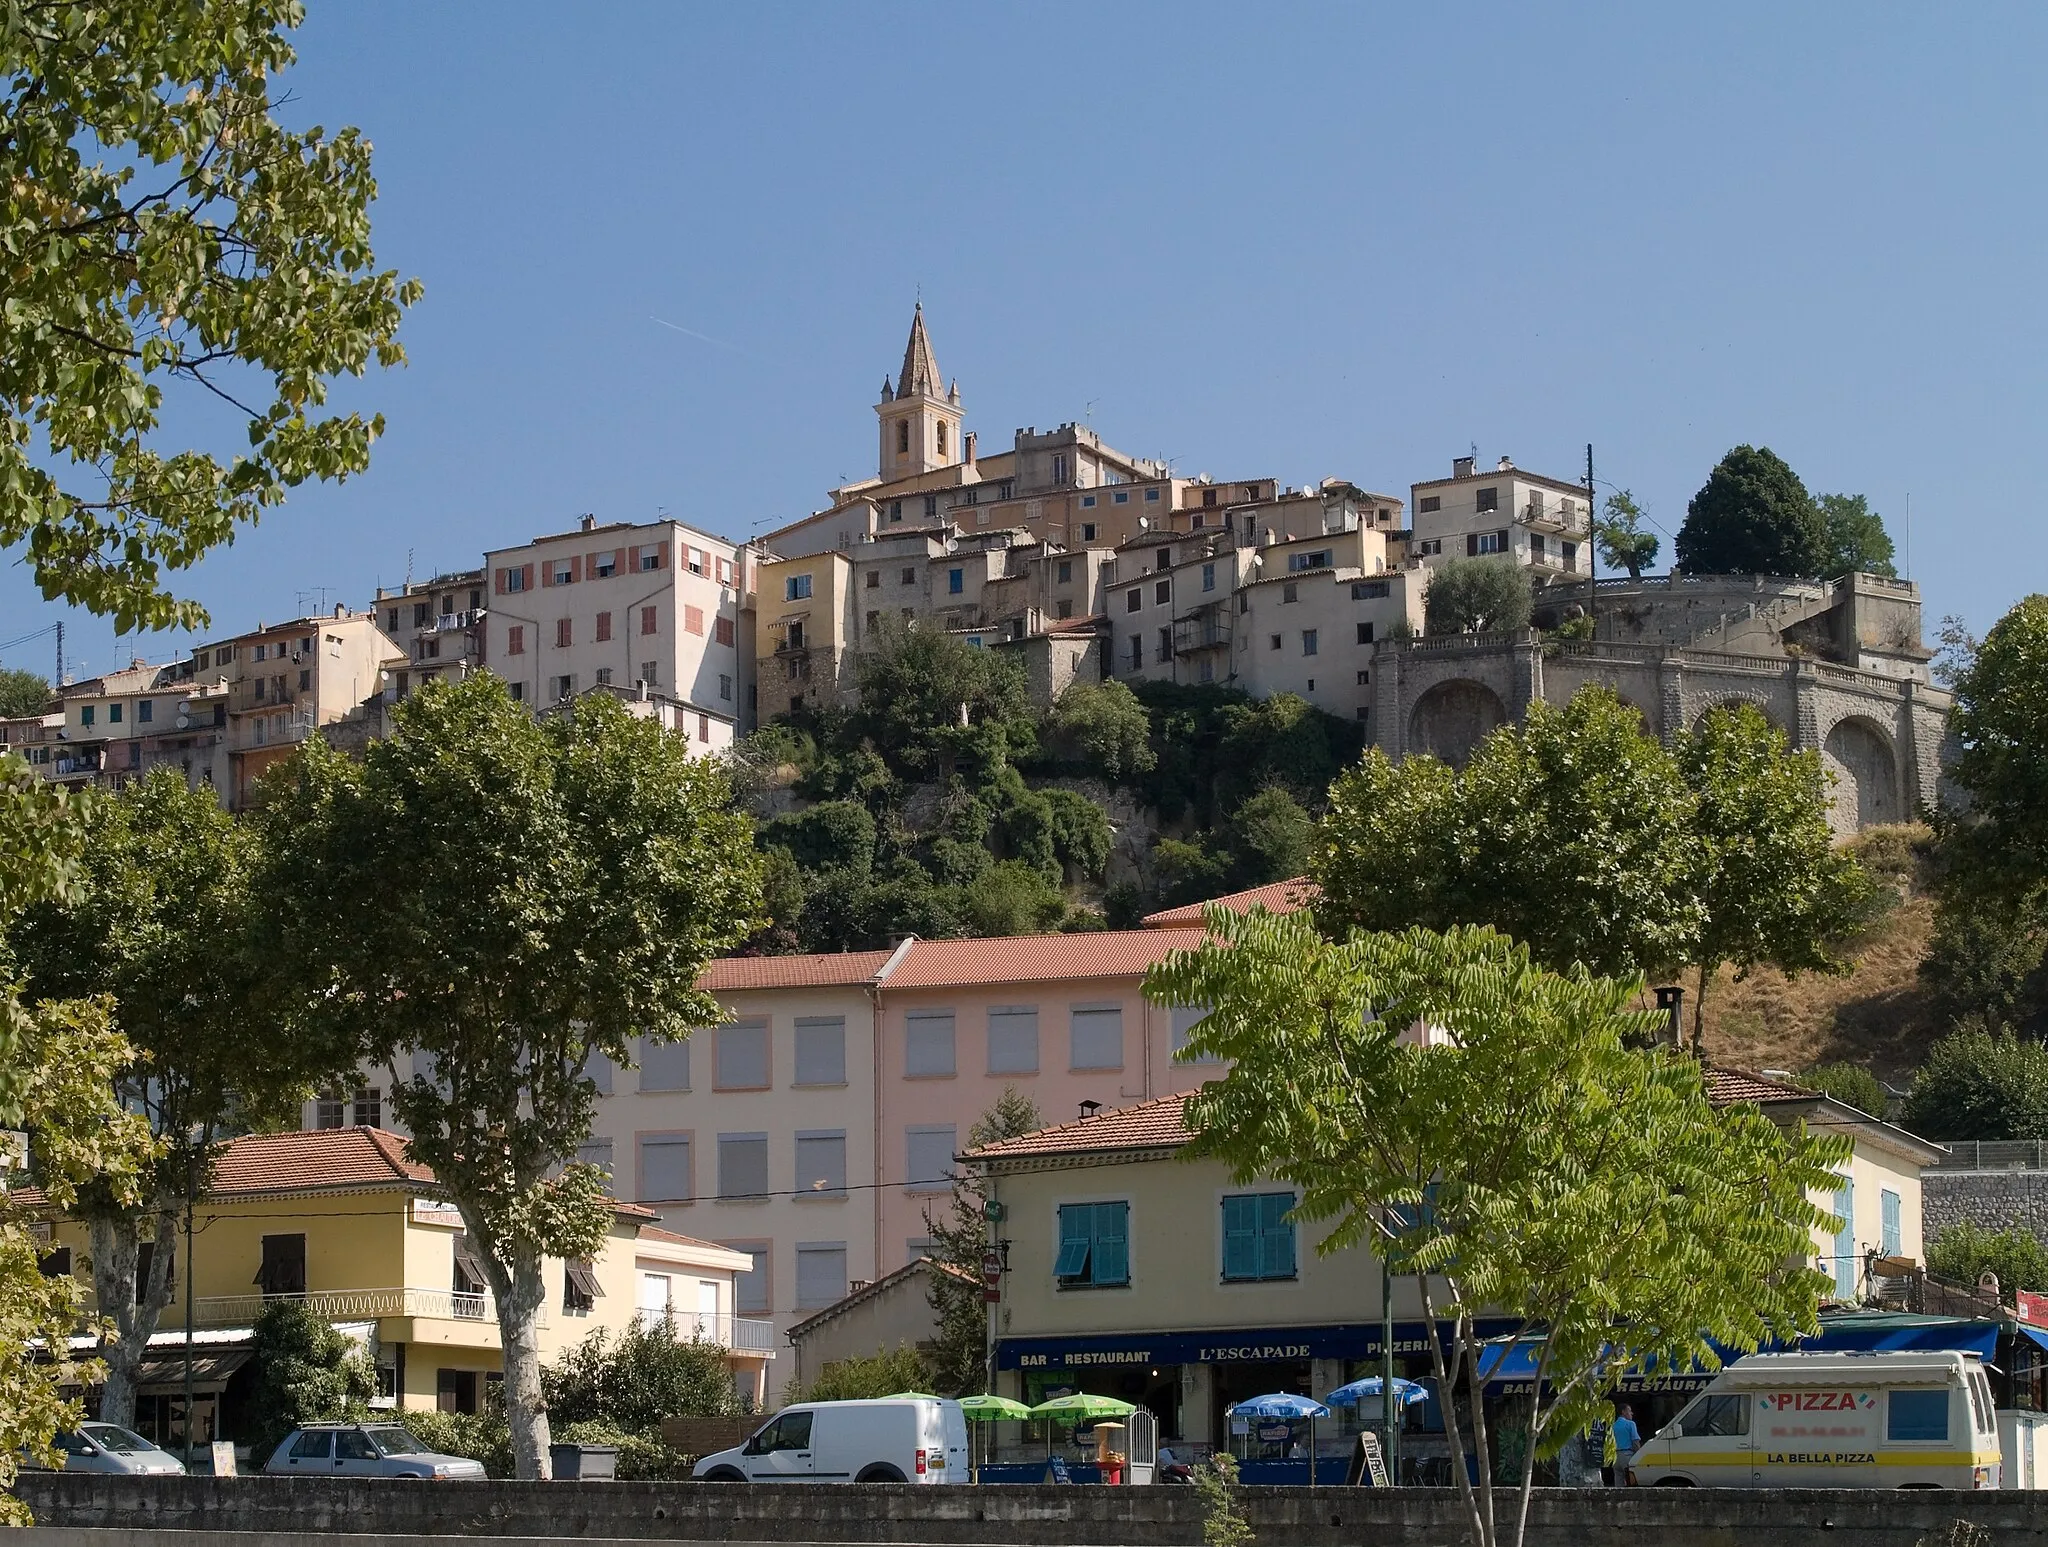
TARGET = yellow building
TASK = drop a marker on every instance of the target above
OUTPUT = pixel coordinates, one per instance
(344, 1221)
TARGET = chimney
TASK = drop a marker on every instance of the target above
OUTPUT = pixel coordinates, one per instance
(1461, 467)
(1507, 465)
(340, 611)
(969, 458)
(1089, 1109)
(588, 523)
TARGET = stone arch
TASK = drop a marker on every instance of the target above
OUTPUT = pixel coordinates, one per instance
(1452, 718)
(1862, 756)
(1723, 700)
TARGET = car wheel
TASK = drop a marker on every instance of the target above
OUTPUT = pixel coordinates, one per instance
(880, 1474)
(724, 1474)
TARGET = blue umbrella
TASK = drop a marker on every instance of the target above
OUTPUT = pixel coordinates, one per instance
(1405, 1391)
(1280, 1404)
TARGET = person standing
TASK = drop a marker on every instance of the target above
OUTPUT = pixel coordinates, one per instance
(1627, 1440)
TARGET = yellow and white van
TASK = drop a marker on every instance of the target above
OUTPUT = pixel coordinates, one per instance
(1870, 1420)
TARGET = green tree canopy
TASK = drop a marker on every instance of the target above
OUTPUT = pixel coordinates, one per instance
(929, 700)
(22, 693)
(164, 230)
(1102, 726)
(1753, 517)
(1525, 1160)
(161, 922)
(1979, 1084)
(1573, 834)
(862, 1377)
(306, 1372)
(958, 1353)
(1965, 1251)
(508, 900)
(1476, 596)
(1623, 542)
(638, 1377)
(1856, 538)
(1850, 1083)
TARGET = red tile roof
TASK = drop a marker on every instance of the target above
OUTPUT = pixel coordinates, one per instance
(1154, 1124)
(845, 968)
(1274, 897)
(670, 1238)
(1725, 1087)
(1038, 958)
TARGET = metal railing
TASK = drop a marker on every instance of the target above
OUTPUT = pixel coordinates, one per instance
(1994, 1155)
(355, 1305)
(741, 1334)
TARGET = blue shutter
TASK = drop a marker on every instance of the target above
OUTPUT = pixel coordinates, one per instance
(1240, 1237)
(1075, 1220)
(1112, 1244)
(1892, 1226)
(1845, 1240)
(1276, 1236)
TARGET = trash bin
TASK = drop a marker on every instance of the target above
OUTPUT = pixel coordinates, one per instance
(585, 1463)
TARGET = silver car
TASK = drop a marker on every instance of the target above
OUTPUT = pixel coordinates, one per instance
(109, 1448)
(363, 1450)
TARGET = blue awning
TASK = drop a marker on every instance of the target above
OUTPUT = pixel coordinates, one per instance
(2034, 1334)
(1881, 1333)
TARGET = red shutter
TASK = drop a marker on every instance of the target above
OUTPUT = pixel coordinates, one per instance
(622, 560)
(526, 574)
(1472, 546)
(661, 555)
(575, 566)
(547, 575)
(590, 566)
(501, 582)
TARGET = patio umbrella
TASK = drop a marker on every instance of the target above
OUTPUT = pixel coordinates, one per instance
(1405, 1391)
(1083, 1407)
(1285, 1404)
(992, 1409)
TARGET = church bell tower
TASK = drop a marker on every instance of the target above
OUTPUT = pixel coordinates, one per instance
(920, 418)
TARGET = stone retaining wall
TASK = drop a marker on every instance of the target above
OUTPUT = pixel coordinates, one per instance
(1992, 1200)
(355, 1512)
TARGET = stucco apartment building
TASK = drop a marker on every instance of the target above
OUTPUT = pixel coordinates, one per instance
(1543, 523)
(439, 623)
(655, 608)
(815, 1128)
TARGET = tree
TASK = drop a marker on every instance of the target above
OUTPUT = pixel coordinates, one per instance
(22, 693)
(1573, 834)
(1526, 1161)
(1269, 839)
(634, 1380)
(1771, 883)
(959, 1352)
(1965, 1251)
(1979, 1084)
(2000, 725)
(1476, 596)
(160, 923)
(306, 1372)
(929, 700)
(1851, 1084)
(1857, 542)
(1623, 542)
(1102, 726)
(1753, 517)
(509, 900)
(164, 230)
(864, 1376)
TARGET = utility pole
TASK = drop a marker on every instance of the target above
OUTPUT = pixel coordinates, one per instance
(191, 1178)
(1592, 548)
(60, 653)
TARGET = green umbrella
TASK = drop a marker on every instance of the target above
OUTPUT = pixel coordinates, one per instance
(992, 1409)
(1081, 1407)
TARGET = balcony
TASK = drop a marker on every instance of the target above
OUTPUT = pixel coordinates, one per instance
(1544, 518)
(740, 1334)
(1204, 631)
(454, 622)
(356, 1305)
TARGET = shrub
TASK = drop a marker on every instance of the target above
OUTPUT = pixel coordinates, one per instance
(836, 835)
(880, 1374)
(306, 1372)
(1961, 1253)
(1477, 596)
(1102, 728)
(1980, 1084)
(642, 1457)
(479, 1436)
(636, 1379)
(1850, 1083)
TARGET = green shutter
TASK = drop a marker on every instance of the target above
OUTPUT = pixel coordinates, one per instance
(1240, 1237)
(1112, 1243)
(1276, 1236)
(1075, 1233)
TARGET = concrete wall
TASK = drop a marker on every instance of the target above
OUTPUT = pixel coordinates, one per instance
(322, 1512)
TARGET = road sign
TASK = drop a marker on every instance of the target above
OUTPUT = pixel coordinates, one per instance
(992, 1268)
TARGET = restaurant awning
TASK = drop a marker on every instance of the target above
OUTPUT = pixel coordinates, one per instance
(164, 1376)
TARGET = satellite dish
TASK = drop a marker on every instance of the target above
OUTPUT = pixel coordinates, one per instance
(184, 722)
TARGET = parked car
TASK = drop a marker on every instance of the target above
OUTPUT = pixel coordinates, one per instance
(885, 1440)
(363, 1450)
(1851, 1420)
(108, 1448)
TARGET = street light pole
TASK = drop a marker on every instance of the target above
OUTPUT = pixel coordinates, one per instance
(1387, 1368)
(191, 1172)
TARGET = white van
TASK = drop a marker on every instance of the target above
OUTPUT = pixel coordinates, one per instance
(887, 1440)
(1873, 1420)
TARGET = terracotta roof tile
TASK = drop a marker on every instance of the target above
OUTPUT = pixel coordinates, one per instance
(669, 1237)
(1039, 958)
(1274, 897)
(325, 1157)
(839, 968)
(1725, 1087)
(1154, 1124)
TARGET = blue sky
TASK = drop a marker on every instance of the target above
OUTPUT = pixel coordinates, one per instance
(1277, 241)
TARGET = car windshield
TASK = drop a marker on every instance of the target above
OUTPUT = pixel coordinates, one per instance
(112, 1437)
(394, 1441)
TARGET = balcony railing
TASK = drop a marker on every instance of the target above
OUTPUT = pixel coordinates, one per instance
(741, 1334)
(354, 1305)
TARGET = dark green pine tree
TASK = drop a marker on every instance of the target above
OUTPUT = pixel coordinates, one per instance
(1753, 517)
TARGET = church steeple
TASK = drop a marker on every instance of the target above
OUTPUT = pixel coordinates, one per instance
(921, 418)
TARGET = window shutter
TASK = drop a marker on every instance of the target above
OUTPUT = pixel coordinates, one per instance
(1472, 545)
(575, 566)
(1276, 1236)
(500, 582)
(1112, 1245)
(526, 577)
(1076, 1221)
(661, 555)
(1240, 1238)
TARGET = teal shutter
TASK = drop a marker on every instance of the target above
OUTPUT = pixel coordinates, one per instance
(1892, 1225)
(1112, 1243)
(1240, 1237)
(1845, 1240)
(1276, 1236)
(1076, 1220)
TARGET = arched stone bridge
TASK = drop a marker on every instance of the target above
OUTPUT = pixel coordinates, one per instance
(1879, 736)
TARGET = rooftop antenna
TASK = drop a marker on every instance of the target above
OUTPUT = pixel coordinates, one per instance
(1088, 409)
(320, 591)
(1473, 447)
(408, 577)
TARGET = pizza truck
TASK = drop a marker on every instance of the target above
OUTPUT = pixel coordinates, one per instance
(1833, 1420)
